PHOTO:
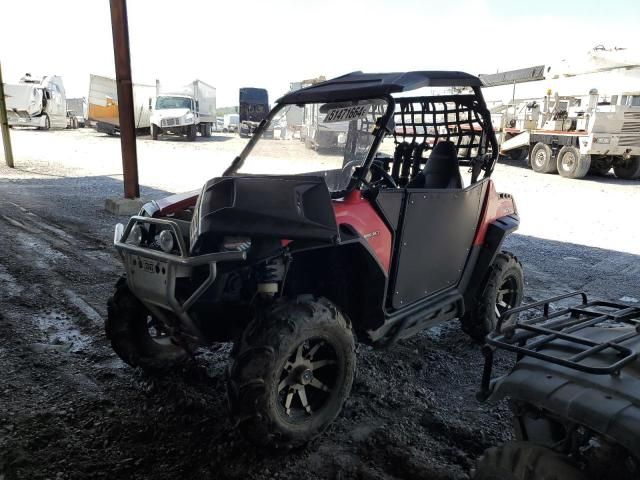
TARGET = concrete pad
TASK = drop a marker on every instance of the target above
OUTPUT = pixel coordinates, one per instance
(123, 206)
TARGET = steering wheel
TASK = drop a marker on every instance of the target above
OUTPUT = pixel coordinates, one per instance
(384, 176)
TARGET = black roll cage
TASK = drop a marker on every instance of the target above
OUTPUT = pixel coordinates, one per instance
(384, 126)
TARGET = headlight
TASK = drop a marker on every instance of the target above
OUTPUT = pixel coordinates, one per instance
(188, 118)
(165, 239)
(135, 236)
(605, 140)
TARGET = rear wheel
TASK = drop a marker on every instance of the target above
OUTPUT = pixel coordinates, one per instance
(542, 159)
(206, 130)
(504, 290)
(293, 370)
(628, 169)
(525, 461)
(136, 336)
(571, 164)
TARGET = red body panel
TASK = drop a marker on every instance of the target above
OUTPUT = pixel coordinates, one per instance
(356, 211)
(495, 206)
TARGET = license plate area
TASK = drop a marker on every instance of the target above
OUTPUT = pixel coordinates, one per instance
(148, 278)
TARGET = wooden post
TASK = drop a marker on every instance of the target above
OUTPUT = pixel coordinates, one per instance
(4, 124)
(120, 31)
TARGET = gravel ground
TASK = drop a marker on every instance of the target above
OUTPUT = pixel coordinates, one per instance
(70, 409)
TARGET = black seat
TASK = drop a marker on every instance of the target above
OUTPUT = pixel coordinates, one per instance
(441, 169)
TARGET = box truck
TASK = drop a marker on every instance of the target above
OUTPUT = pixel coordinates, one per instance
(184, 111)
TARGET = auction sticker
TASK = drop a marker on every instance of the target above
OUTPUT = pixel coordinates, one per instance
(345, 114)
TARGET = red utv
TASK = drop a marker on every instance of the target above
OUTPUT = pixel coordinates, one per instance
(295, 252)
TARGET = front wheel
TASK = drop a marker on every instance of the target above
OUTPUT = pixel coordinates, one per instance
(503, 291)
(192, 132)
(292, 371)
(136, 336)
(154, 132)
(525, 461)
(571, 164)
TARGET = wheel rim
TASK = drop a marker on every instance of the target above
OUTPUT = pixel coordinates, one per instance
(568, 161)
(157, 333)
(507, 296)
(307, 379)
(541, 158)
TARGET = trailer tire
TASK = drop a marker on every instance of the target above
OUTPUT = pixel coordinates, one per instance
(628, 169)
(525, 461)
(571, 164)
(541, 159)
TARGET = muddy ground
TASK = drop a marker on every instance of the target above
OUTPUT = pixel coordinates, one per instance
(70, 409)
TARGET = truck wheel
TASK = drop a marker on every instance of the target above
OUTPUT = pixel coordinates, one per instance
(571, 164)
(292, 371)
(600, 165)
(192, 132)
(134, 335)
(154, 132)
(525, 461)
(628, 169)
(504, 290)
(542, 159)
(206, 130)
(518, 154)
(47, 123)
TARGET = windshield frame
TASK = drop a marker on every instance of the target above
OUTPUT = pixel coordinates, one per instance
(182, 97)
(381, 129)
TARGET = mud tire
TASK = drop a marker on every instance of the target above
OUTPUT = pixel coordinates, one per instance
(126, 328)
(259, 358)
(525, 461)
(629, 170)
(481, 320)
(541, 159)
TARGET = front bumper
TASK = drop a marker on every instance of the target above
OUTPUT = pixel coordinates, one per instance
(152, 274)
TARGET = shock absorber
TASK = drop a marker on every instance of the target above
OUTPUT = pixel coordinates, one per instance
(269, 274)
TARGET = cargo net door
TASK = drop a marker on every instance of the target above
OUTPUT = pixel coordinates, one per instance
(423, 122)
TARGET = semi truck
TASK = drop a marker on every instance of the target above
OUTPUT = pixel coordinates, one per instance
(184, 111)
(103, 105)
(38, 102)
(254, 107)
(578, 132)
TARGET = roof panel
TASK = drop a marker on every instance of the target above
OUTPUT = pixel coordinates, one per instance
(366, 85)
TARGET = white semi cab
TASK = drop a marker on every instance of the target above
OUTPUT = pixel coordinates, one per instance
(37, 102)
(184, 111)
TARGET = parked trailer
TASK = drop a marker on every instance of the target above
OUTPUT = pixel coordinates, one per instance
(38, 102)
(103, 105)
(185, 110)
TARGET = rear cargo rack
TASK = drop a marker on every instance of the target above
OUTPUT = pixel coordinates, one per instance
(529, 337)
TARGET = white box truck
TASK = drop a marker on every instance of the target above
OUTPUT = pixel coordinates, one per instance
(103, 105)
(230, 123)
(184, 111)
(36, 102)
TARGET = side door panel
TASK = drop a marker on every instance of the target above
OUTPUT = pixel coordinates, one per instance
(435, 238)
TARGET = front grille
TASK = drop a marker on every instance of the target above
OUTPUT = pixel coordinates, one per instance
(169, 122)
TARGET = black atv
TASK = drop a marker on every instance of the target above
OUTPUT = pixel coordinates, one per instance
(575, 392)
(379, 236)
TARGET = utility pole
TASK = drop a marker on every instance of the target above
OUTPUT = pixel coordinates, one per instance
(4, 123)
(120, 31)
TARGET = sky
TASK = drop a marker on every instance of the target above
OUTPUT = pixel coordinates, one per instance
(270, 43)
